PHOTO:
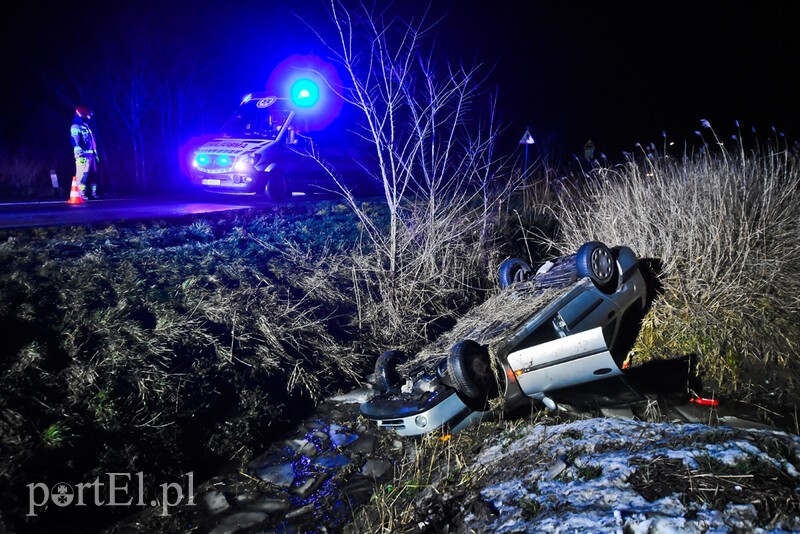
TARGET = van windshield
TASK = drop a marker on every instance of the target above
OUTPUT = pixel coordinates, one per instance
(251, 121)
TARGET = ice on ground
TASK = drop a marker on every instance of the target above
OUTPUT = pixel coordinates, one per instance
(590, 490)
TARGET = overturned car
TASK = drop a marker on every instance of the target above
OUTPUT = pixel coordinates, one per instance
(571, 322)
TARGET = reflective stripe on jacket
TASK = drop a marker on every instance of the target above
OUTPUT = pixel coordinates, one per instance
(82, 136)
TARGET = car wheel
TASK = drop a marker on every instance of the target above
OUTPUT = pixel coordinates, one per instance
(595, 261)
(513, 270)
(276, 189)
(386, 374)
(470, 369)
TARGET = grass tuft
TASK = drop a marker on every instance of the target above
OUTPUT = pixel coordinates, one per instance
(725, 228)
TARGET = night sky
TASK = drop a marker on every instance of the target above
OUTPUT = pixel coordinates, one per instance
(615, 72)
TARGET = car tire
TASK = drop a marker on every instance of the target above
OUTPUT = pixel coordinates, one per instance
(513, 270)
(470, 369)
(596, 262)
(386, 375)
(276, 188)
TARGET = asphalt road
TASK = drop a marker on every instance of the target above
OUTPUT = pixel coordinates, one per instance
(61, 213)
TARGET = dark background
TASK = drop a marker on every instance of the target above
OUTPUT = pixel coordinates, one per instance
(616, 72)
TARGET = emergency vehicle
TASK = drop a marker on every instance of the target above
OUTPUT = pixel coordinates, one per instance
(264, 149)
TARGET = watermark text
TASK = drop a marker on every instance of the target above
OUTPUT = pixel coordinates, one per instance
(115, 489)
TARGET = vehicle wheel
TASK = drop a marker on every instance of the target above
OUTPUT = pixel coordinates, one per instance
(386, 373)
(513, 270)
(470, 369)
(276, 189)
(595, 261)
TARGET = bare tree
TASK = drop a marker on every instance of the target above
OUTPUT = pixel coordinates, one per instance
(126, 92)
(145, 95)
(435, 156)
(179, 103)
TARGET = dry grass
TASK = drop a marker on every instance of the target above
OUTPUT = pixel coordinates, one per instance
(434, 465)
(128, 342)
(442, 271)
(125, 344)
(726, 228)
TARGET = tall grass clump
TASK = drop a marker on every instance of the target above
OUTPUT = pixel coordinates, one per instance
(724, 225)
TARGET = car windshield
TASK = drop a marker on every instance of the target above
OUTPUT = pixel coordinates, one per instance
(252, 121)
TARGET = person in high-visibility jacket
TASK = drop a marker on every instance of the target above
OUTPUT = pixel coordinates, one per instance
(84, 147)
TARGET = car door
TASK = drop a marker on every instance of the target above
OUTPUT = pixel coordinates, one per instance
(570, 345)
(563, 362)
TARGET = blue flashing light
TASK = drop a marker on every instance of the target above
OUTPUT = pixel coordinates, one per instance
(311, 87)
(223, 160)
(201, 159)
(304, 93)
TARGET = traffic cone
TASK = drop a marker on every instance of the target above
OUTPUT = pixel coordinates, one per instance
(74, 193)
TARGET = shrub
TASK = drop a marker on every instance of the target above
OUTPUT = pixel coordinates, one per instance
(725, 227)
(24, 174)
(434, 149)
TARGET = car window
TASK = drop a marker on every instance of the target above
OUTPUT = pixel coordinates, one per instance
(544, 333)
(256, 122)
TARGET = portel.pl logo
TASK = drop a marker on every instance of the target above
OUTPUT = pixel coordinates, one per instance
(121, 489)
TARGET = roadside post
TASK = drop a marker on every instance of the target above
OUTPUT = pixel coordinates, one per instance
(527, 140)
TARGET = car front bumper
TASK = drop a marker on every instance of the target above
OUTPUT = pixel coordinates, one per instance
(408, 418)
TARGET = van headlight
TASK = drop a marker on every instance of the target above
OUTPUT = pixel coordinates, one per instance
(200, 160)
(245, 163)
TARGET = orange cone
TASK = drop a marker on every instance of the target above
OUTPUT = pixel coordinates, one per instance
(74, 193)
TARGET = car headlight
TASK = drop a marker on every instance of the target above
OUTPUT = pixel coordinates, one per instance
(245, 163)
